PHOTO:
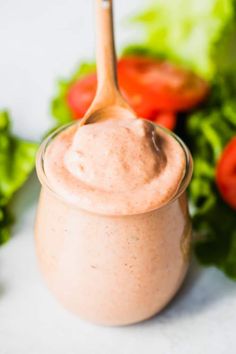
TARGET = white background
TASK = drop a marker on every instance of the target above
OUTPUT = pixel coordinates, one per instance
(39, 42)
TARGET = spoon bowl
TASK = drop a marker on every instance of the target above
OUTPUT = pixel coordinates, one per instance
(110, 112)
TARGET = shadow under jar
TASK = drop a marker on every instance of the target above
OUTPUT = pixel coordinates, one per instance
(112, 269)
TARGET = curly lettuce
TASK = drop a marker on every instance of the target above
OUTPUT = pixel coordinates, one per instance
(17, 158)
(190, 33)
(208, 131)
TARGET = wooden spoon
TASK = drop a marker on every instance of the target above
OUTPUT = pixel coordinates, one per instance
(108, 102)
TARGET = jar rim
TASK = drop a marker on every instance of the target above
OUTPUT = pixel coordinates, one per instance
(45, 183)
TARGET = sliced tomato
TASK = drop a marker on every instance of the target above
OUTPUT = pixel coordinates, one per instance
(149, 85)
(166, 119)
(226, 173)
(164, 85)
(81, 95)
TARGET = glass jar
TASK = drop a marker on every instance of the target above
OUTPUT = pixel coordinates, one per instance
(112, 269)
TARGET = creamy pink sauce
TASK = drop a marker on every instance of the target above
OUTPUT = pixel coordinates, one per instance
(115, 167)
(108, 247)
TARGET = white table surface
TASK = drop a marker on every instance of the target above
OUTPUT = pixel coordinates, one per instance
(39, 42)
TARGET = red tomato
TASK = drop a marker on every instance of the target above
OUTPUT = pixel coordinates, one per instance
(166, 119)
(149, 85)
(81, 95)
(226, 173)
(163, 85)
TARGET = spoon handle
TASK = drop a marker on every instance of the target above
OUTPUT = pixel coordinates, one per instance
(108, 93)
(105, 53)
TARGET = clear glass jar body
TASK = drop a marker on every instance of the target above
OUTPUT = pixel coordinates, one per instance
(112, 270)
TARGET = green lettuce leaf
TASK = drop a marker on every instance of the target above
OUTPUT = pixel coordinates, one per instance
(208, 131)
(17, 158)
(188, 32)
